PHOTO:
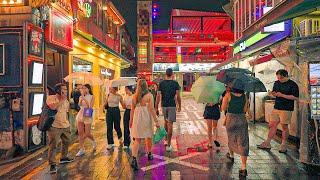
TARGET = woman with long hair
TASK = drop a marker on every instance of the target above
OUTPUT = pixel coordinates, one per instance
(142, 114)
(113, 116)
(126, 117)
(86, 100)
(236, 105)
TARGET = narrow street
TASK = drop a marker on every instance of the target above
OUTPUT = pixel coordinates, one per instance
(190, 158)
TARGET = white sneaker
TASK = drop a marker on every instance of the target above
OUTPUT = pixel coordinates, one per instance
(80, 153)
(169, 148)
(94, 145)
(110, 146)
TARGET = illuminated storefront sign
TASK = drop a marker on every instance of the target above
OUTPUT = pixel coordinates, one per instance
(249, 42)
(85, 7)
(11, 2)
(60, 30)
(142, 52)
(183, 67)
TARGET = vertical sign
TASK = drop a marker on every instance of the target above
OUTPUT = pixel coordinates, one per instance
(144, 29)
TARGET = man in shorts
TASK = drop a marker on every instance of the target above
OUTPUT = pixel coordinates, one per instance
(286, 92)
(168, 93)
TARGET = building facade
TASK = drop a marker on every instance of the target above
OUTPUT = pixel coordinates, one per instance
(195, 42)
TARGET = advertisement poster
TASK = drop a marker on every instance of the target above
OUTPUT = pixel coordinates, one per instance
(315, 90)
(35, 41)
(60, 30)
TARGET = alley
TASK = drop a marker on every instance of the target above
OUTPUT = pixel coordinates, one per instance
(190, 159)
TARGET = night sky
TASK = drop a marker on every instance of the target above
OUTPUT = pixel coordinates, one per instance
(128, 9)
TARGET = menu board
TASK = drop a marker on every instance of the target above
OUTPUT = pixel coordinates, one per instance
(315, 90)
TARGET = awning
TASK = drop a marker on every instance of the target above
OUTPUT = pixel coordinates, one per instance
(306, 7)
(261, 60)
(125, 62)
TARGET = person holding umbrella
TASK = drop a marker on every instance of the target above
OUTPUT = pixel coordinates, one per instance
(236, 105)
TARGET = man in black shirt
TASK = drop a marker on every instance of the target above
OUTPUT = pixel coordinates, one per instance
(168, 92)
(75, 94)
(286, 92)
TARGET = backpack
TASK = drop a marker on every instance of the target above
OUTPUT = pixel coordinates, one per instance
(46, 118)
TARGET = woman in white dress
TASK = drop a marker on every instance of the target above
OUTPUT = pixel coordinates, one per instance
(142, 114)
(86, 100)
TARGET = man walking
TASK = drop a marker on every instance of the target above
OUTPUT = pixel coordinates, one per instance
(60, 128)
(286, 92)
(168, 93)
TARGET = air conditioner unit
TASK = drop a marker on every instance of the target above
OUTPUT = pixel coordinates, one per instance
(309, 27)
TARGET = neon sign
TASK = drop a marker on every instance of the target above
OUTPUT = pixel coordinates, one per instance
(85, 7)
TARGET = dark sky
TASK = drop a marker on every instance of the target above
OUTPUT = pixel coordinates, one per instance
(128, 9)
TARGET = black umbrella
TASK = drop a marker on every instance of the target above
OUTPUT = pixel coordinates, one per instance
(248, 84)
(227, 75)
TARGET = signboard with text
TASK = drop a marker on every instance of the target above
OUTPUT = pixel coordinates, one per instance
(183, 67)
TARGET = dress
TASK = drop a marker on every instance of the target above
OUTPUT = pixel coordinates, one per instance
(79, 117)
(237, 126)
(142, 125)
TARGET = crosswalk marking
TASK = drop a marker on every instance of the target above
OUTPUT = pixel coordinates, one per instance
(201, 126)
(198, 114)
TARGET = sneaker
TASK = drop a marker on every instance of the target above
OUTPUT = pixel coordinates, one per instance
(110, 146)
(65, 160)
(125, 147)
(94, 145)
(283, 149)
(53, 169)
(216, 143)
(150, 156)
(80, 153)
(264, 146)
(168, 148)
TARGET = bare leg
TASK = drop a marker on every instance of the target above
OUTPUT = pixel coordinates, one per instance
(135, 147)
(285, 134)
(170, 127)
(209, 124)
(243, 162)
(88, 132)
(148, 145)
(272, 130)
(81, 134)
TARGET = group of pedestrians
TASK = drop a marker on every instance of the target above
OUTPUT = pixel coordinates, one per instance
(141, 116)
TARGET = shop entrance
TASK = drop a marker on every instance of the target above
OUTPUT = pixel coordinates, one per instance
(188, 80)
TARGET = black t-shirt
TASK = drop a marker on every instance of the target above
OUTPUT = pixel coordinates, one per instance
(168, 90)
(287, 88)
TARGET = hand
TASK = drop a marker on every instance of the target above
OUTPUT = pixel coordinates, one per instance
(130, 124)
(278, 94)
(157, 124)
(179, 109)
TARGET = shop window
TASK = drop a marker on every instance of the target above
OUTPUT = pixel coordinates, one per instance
(80, 65)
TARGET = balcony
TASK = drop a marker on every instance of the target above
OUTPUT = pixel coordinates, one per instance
(88, 26)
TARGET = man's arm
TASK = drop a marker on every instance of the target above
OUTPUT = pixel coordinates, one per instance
(158, 98)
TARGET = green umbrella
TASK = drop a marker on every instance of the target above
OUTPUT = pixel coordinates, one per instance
(207, 90)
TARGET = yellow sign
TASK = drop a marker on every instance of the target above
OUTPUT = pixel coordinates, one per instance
(142, 52)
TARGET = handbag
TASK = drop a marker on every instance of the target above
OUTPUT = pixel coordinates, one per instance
(87, 112)
(46, 118)
(159, 135)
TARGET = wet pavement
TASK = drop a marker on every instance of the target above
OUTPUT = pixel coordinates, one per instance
(190, 159)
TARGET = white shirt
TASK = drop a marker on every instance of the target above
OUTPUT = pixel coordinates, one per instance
(128, 101)
(114, 100)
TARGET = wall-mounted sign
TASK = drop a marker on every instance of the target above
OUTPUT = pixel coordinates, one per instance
(183, 67)
(85, 7)
(249, 42)
(2, 59)
(275, 27)
(35, 41)
(60, 30)
(142, 52)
